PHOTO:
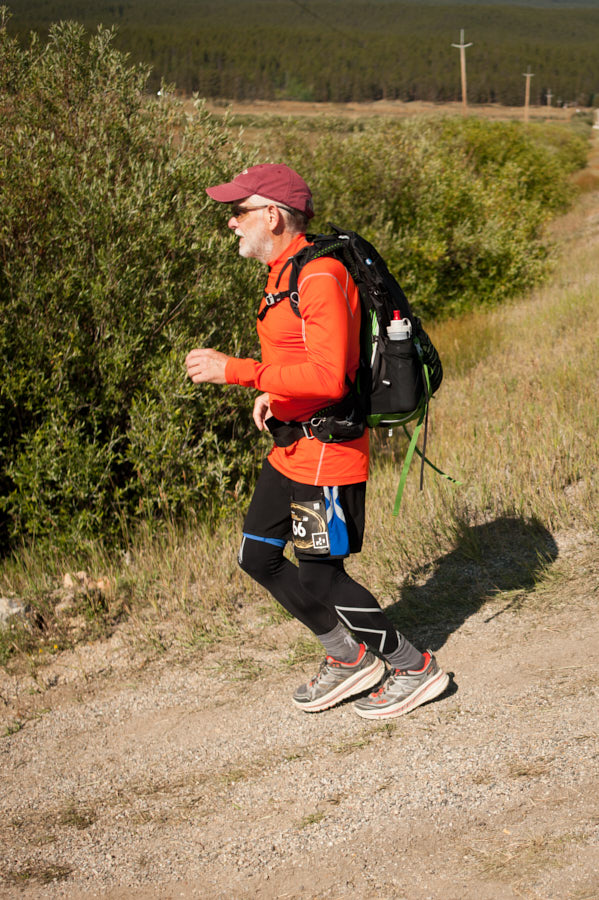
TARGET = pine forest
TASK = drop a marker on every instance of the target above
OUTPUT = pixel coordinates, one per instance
(346, 50)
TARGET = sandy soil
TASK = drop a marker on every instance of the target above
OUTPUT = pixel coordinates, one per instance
(391, 108)
(197, 777)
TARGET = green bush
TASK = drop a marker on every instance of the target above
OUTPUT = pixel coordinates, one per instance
(456, 206)
(114, 263)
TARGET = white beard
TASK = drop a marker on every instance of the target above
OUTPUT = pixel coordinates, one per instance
(255, 245)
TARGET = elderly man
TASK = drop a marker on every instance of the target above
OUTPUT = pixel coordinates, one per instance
(309, 491)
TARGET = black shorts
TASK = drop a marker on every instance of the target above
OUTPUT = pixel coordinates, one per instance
(322, 522)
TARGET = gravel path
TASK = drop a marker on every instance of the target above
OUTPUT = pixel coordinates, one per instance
(177, 779)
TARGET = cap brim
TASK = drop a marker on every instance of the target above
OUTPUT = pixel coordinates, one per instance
(227, 193)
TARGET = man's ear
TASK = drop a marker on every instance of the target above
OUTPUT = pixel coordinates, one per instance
(276, 220)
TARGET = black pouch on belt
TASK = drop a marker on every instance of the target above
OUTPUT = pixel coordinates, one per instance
(284, 433)
(334, 424)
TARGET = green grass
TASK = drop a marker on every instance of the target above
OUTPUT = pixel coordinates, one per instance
(311, 819)
(37, 873)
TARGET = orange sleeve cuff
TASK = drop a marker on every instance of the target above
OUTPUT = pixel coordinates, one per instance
(241, 371)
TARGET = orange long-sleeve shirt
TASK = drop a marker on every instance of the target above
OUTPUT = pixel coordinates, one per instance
(304, 364)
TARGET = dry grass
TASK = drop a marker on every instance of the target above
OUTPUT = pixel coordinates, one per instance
(516, 422)
(522, 858)
(292, 109)
(37, 873)
(515, 419)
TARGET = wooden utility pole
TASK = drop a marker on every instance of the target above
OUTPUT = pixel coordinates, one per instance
(462, 48)
(528, 75)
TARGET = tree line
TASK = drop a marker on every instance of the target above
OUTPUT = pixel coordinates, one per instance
(350, 51)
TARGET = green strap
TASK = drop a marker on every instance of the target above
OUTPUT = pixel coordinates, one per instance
(429, 463)
(406, 466)
(407, 461)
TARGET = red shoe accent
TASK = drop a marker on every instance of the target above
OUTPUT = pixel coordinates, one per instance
(361, 654)
(427, 659)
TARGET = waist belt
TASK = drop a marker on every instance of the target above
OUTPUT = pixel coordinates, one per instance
(334, 424)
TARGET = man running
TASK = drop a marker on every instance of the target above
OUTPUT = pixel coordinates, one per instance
(309, 492)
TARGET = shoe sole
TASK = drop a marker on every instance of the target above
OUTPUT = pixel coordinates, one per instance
(427, 691)
(361, 681)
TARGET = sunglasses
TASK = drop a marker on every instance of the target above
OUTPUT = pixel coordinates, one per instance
(238, 211)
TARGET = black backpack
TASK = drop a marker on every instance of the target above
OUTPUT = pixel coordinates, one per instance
(396, 379)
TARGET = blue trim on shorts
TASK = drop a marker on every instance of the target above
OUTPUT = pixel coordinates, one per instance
(336, 524)
(276, 542)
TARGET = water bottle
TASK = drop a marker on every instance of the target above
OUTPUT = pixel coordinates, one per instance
(399, 329)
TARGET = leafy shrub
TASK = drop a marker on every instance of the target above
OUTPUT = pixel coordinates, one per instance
(456, 206)
(113, 264)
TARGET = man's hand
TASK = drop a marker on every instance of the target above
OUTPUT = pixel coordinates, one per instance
(206, 365)
(261, 410)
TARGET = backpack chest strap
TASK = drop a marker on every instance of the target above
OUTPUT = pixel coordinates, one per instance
(272, 299)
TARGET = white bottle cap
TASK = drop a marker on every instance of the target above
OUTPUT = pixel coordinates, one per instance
(399, 329)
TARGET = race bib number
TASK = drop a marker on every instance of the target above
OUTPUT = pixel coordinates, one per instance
(309, 527)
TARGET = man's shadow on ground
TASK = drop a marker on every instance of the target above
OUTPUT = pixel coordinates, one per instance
(504, 557)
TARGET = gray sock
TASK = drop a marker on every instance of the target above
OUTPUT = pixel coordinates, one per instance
(406, 656)
(339, 644)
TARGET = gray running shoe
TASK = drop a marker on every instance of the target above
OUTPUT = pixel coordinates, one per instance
(336, 681)
(403, 691)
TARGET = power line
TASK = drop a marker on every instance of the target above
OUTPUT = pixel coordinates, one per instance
(340, 31)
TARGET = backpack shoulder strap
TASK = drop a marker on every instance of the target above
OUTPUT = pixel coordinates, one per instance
(320, 245)
(272, 299)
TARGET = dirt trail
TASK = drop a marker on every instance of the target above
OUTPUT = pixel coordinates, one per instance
(178, 779)
(196, 777)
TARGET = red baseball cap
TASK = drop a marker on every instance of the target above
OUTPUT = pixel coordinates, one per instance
(272, 180)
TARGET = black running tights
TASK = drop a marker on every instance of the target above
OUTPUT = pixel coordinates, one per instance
(320, 594)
